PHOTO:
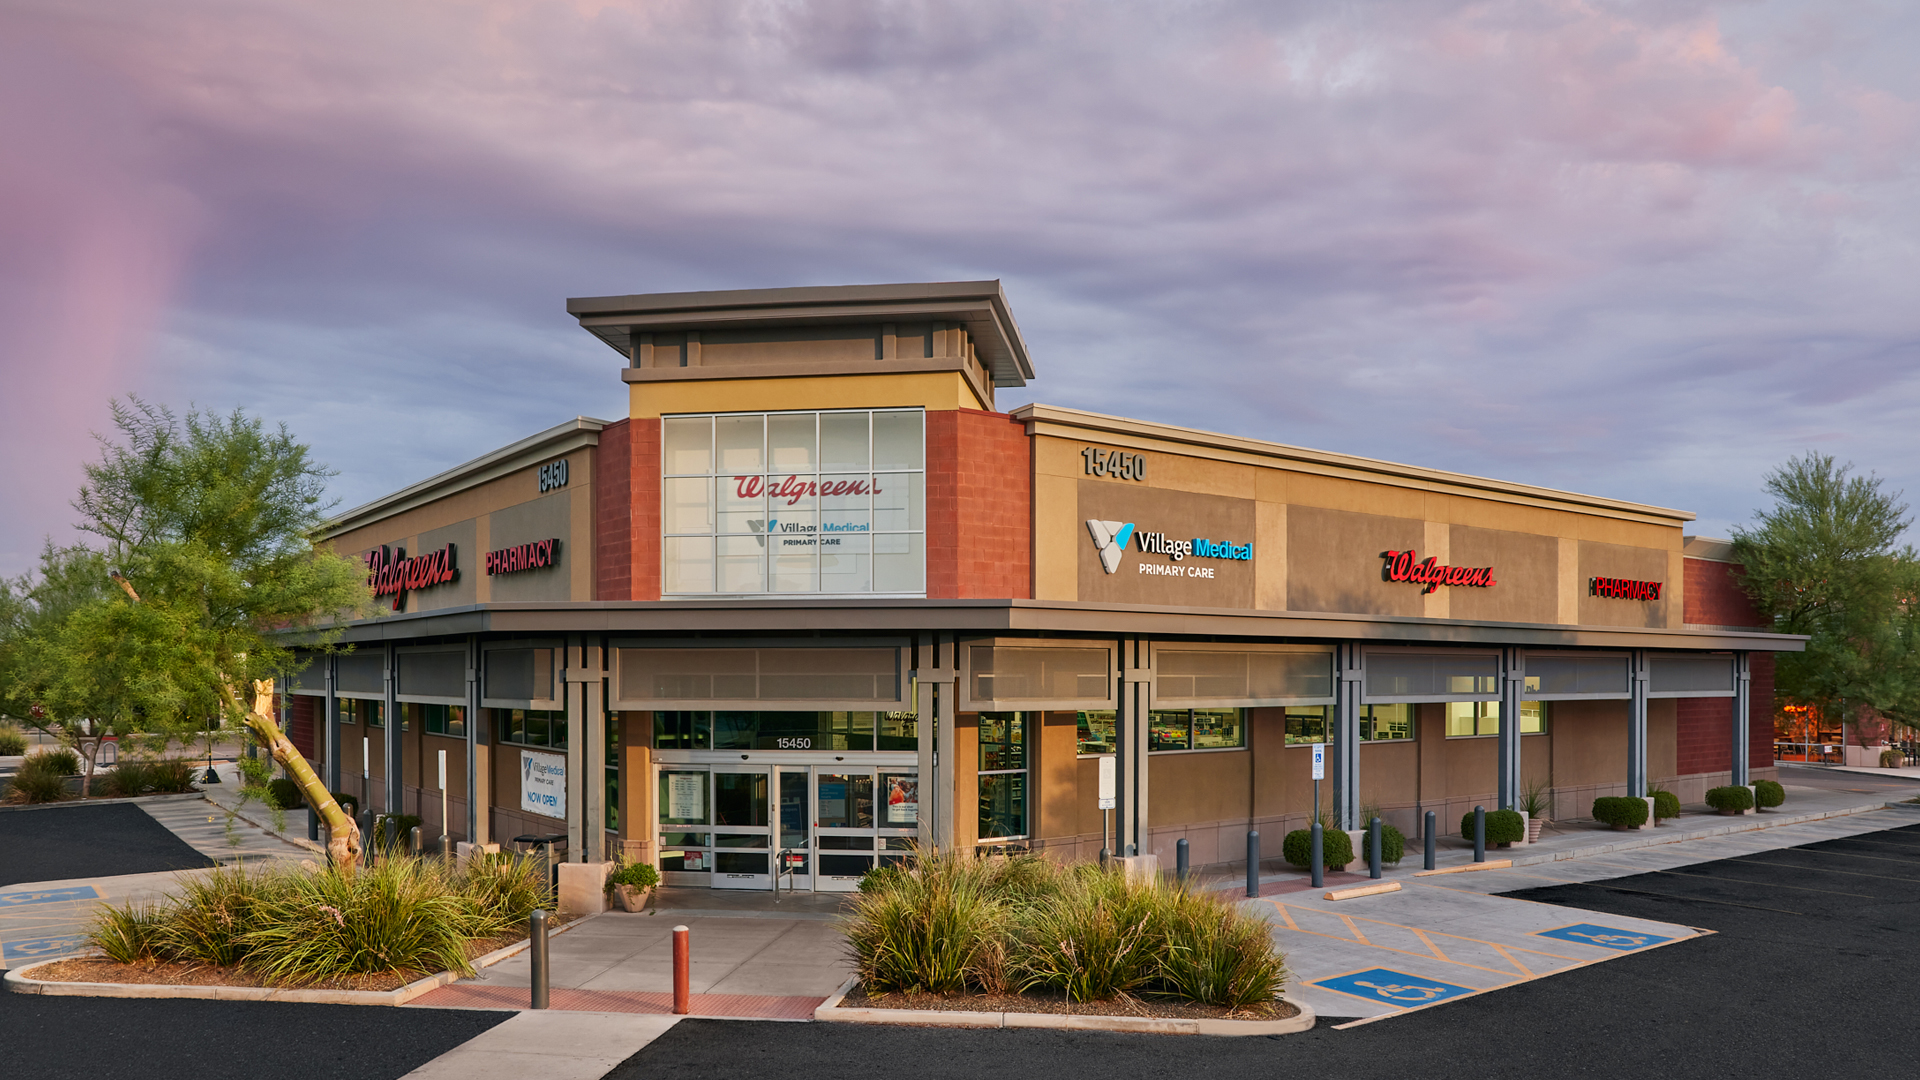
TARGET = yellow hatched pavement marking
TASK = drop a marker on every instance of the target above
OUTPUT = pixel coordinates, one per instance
(1506, 951)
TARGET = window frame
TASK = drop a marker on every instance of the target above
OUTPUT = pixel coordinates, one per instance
(1024, 718)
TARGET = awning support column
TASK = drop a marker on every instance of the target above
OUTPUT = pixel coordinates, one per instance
(1742, 719)
(1132, 734)
(330, 724)
(1637, 727)
(1512, 688)
(396, 746)
(934, 682)
(476, 796)
(586, 751)
(1344, 736)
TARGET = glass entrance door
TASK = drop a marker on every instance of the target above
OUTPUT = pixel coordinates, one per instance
(796, 830)
(742, 830)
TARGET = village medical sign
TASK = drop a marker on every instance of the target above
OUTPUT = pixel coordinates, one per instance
(1110, 540)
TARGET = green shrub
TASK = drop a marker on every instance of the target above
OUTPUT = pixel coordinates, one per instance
(880, 877)
(639, 875)
(1730, 798)
(1503, 827)
(214, 914)
(403, 825)
(349, 803)
(950, 923)
(1769, 793)
(1666, 805)
(173, 777)
(131, 935)
(285, 794)
(38, 780)
(1892, 759)
(13, 741)
(1619, 810)
(125, 780)
(1336, 848)
(505, 890)
(59, 761)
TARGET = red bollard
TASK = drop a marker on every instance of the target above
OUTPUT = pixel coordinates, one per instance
(682, 973)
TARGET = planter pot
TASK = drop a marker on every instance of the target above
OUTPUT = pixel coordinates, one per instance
(1729, 813)
(630, 897)
(1504, 843)
(1534, 825)
(1622, 828)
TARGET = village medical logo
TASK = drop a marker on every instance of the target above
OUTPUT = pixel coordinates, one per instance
(1110, 540)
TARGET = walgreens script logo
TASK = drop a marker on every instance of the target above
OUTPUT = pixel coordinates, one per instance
(793, 489)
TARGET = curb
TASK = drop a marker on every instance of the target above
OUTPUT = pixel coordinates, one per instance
(178, 796)
(830, 1011)
(300, 842)
(1752, 823)
(17, 981)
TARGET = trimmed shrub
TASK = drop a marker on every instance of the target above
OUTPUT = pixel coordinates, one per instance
(1503, 827)
(1336, 848)
(1393, 844)
(1666, 805)
(403, 826)
(1892, 759)
(13, 741)
(1730, 798)
(643, 876)
(285, 794)
(1617, 810)
(349, 803)
(1769, 793)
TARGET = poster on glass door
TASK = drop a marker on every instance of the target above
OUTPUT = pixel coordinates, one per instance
(543, 784)
(903, 800)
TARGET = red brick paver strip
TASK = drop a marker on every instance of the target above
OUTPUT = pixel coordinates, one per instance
(740, 1006)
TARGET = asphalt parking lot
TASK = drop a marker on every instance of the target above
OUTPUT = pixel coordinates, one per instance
(64, 842)
(1806, 973)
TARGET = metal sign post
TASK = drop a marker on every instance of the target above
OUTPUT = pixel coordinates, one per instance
(1319, 774)
(444, 847)
(1109, 792)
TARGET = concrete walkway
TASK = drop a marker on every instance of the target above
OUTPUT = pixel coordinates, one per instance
(752, 958)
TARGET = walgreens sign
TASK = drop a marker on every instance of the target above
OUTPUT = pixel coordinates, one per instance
(1408, 566)
(391, 573)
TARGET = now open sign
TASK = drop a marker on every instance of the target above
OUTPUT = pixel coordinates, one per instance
(543, 784)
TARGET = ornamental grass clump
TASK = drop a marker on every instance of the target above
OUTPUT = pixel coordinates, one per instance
(13, 741)
(951, 924)
(303, 925)
(39, 779)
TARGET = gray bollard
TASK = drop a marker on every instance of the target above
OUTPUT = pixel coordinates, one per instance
(537, 950)
(1479, 834)
(1180, 861)
(1373, 848)
(413, 841)
(1318, 861)
(1253, 862)
(1432, 840)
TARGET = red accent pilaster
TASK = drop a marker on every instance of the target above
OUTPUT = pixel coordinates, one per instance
(612, 505)
(979, 506)
(644, 515)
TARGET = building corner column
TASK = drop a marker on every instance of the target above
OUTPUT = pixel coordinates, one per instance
(1637, 727)
(1512, 691)
(1133, 732)
(1344, 736)
(396, 783)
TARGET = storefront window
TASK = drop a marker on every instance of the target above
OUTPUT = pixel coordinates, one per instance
(765, 730)
(613, 771)
(1003, 776)
(898, 731)
(1170, 729)
(530, 727)
(1472, 718)
(434, 719)
(1386, 723)
(359, 711)
(1306, 724)
(794, 502)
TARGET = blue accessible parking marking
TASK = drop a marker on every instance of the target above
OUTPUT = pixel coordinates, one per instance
(1607, 937)
(39, 948)
(1394, 987)
(49, 896)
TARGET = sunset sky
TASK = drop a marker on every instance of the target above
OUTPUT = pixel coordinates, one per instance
(1640, 250)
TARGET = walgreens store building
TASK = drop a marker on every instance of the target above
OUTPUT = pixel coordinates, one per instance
(817, 599)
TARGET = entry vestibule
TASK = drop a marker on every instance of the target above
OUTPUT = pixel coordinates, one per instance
(818, 820)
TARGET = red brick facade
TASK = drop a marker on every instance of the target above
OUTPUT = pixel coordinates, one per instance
(1703, 734)
(612, 508)
(644, 499)
(302, 724)
(979, 506)
(1714, 597)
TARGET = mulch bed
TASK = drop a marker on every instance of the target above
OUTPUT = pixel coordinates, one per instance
(1160, 1008)
(99, 969)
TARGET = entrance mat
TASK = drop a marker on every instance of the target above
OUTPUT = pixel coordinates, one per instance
(739, 1006)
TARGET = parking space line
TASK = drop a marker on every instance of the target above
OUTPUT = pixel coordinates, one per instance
(1436, 954)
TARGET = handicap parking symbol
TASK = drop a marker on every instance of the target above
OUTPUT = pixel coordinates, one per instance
(49, 896)
(1607, 937)
(1394, 987)
(39, 948)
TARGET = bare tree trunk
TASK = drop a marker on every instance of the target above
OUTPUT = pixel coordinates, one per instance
(343, 836)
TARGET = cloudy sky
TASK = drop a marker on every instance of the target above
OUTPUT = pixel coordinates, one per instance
(1642, 250)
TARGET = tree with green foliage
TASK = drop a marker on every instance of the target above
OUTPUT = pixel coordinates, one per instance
(1824, 562)
(181, 610)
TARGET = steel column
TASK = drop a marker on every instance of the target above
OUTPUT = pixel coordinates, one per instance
(476, 809)
(1133, 700)
(1512, 687)
(330, 724)
(1344, 734)
(396, 747)
(1637, 727)
(1742, 719)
